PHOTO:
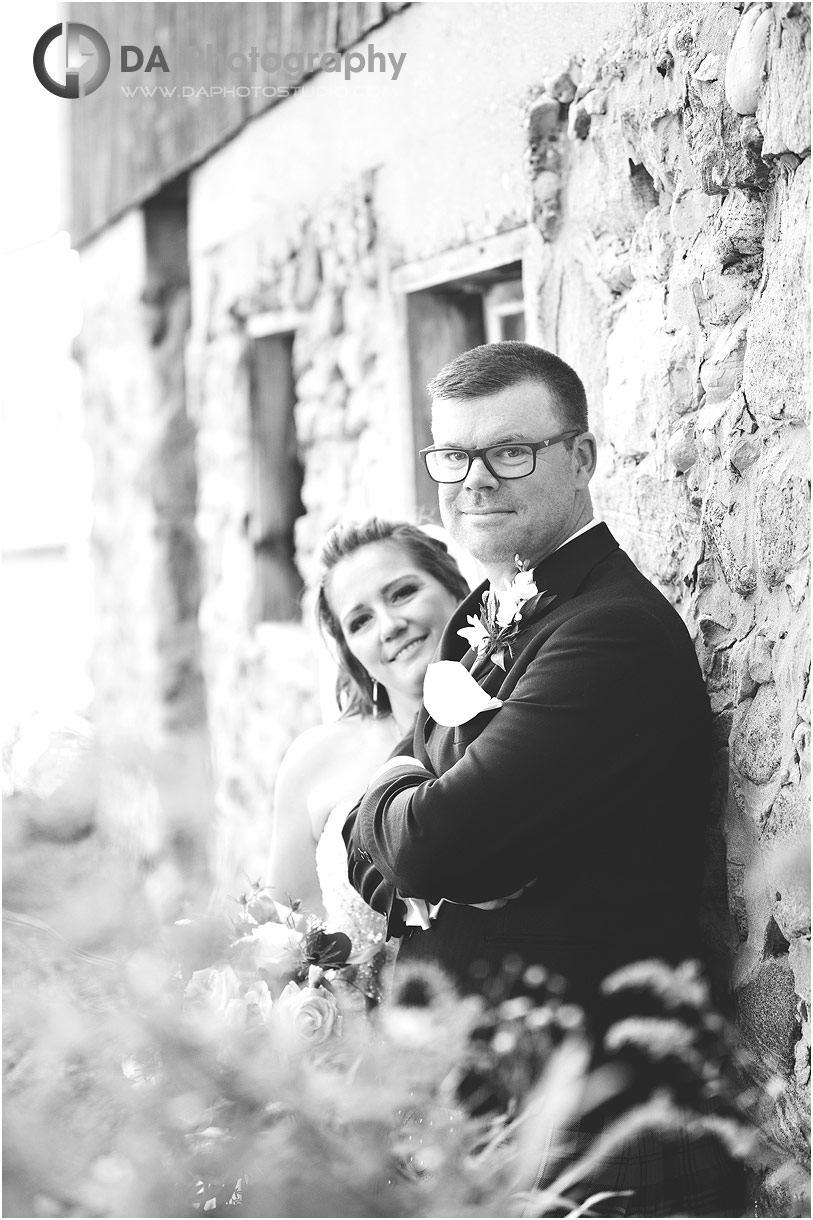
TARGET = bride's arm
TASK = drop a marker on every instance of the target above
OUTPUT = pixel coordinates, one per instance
(292, 866)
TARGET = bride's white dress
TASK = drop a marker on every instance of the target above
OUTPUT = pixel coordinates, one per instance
(346, 911)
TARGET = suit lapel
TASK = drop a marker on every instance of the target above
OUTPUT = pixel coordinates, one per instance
(560, 575)
(563, 572)
(452, 646)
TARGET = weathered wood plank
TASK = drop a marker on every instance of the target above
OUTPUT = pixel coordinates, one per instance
(256, 27)
(124, 149)
(318, 30)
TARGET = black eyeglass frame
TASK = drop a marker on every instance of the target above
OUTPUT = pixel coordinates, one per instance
(472, 454)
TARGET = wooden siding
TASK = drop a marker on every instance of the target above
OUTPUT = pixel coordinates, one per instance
(123, 150)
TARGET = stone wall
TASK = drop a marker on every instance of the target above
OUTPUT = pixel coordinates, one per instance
(262, 680)
(670, 179)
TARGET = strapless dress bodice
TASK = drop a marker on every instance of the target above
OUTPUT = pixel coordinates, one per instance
(346, 911)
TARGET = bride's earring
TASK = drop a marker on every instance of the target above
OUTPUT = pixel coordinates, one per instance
(375, 699)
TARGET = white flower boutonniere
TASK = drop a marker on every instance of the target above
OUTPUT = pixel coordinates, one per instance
(504, 612)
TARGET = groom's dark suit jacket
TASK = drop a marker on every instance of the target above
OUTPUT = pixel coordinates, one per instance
(592, 780)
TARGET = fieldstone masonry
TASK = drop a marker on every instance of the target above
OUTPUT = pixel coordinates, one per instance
(262, 681)
(670, 183)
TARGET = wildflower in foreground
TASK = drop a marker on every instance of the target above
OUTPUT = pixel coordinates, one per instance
(425, 1010)
(675, 986)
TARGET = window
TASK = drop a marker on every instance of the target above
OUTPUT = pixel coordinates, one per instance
(504, 310)
(276, 476)
(445, 320)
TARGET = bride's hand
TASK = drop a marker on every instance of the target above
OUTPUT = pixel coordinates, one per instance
(400, 760)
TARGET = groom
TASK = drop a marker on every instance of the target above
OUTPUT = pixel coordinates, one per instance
(591, 780)
(584, 786)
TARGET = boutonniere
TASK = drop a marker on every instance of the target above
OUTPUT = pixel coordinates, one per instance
(504, 613)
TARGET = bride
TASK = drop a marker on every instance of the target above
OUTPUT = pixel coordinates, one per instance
(386, 591)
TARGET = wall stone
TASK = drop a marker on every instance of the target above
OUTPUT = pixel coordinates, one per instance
(776, 375)
(756, 737)
(676, 253)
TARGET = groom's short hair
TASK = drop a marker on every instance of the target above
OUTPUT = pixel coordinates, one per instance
(493, 367)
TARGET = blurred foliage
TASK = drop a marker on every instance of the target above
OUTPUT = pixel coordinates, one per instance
(224, 1062)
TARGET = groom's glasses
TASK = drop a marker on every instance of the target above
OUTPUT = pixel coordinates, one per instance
(513, 460)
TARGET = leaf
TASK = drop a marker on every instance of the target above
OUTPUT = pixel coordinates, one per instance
(364, 954)
(535, 605)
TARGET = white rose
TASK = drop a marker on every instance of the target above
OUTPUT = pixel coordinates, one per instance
(209, 991)
(259, 1002)
(310, 1014)
(272, 946)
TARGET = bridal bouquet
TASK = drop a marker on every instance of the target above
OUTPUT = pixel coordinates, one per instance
(270, 999)
(279, 974)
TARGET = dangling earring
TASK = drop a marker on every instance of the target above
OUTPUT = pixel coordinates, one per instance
(375, 700)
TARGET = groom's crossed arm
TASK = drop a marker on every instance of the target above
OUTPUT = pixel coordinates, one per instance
(384, 896)
(579, 718)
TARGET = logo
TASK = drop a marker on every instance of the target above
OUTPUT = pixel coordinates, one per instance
(75, 57)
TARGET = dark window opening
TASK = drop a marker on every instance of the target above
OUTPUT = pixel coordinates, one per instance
(276, 481)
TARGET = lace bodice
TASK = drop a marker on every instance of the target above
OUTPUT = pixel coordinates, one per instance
(346, 911)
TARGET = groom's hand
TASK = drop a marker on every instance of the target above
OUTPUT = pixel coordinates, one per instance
(421, 914)
(495, 903)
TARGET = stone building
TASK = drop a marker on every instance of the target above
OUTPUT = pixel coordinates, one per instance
(269, 281)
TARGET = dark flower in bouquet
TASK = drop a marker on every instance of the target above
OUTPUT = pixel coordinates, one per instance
(274, 975)
(284, 939)
(323, 949)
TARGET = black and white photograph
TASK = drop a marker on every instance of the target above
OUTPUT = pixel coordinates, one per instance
(406, 634)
